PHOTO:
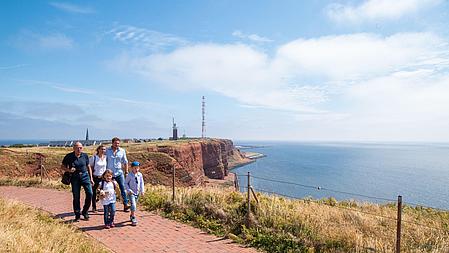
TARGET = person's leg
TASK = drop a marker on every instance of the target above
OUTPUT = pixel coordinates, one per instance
(106, 214)
(133, 200)
(76, 188)
(121, 183)
(111, 221)
(133, 209)
(97, 181)
(87, 186)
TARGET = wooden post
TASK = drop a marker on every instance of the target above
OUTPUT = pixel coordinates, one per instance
(40, 168)
(249, 200)
(173, 183)
(398, 228)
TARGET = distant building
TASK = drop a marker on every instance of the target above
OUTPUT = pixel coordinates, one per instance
(87, 134)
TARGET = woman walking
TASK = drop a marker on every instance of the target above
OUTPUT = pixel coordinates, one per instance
(98, 164)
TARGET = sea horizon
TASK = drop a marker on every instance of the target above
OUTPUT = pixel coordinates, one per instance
(416, 171)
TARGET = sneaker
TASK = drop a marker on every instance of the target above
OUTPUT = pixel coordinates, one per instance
(107, 227)
(112, 225)
(134, 221)
(77, 218)
(86, 216)
(94, 210)
(126, 207)
(131, 218)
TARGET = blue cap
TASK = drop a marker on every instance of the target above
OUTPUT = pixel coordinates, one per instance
(135, 163)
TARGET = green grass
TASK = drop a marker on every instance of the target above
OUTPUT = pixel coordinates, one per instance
(284, 225)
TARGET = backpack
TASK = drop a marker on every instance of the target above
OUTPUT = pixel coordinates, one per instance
(116, 189)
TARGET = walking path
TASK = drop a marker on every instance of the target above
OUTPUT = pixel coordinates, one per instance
(153, 233)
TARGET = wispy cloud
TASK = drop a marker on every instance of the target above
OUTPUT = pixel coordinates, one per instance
(31, 41)
(13, 66)
(308, 76)
(374, 10)
(251, 37)
(57, 86)
(72, 8)
(144, 38)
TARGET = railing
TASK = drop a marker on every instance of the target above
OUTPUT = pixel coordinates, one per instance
(399, 202)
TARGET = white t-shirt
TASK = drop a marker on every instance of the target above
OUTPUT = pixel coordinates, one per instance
(100, 165)
(109, 191)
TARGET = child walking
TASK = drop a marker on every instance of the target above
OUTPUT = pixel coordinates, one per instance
(108, 196)
(134, 187)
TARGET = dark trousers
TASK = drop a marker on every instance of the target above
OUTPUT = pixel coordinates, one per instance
(97, 181)
(109, 213)
(78, 180)
(121, 184)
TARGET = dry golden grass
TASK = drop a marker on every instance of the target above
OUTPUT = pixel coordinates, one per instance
(32, 182)
(325, 226)
(24, 229)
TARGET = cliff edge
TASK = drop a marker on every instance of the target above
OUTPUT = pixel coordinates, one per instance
(195, 160)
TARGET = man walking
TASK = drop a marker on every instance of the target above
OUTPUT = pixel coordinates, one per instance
(117, 161)
(77, 163)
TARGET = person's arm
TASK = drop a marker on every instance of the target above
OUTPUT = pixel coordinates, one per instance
(142, 185)
(127, 182)
(89, 169)
(65, 165)
(125, 162)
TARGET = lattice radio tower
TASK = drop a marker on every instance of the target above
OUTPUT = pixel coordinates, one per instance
(203, 124)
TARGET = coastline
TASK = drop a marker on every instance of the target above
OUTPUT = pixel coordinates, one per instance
(231, 180)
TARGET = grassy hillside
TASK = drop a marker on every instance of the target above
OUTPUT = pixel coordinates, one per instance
(24, 229)
(284, 225)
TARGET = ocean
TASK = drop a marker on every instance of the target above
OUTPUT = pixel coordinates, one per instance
(24, 141)
(371, 172)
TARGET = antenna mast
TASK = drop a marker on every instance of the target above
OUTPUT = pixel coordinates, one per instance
(203, 125)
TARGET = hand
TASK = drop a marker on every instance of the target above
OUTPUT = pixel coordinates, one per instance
(92, 181)
(72, 169)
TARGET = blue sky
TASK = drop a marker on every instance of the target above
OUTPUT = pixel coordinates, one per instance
(373, 70)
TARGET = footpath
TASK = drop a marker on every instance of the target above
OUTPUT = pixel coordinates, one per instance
(152, 234)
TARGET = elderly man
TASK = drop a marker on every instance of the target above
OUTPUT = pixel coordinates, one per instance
(117, 161)
(77, 163)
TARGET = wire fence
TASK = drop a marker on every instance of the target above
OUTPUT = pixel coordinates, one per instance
(320, 188)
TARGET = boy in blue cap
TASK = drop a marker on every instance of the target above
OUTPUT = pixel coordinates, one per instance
(134, 187)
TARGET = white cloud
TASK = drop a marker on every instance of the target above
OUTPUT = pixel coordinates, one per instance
(68, 7)
(57, 86)
(373, 10)
(302, 75)
(13, 66)
(356, 56)
(31, 41)
(251, 37)
(144, 38)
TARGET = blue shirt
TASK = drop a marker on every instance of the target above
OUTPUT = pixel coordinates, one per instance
(134, 183)
(115, 161)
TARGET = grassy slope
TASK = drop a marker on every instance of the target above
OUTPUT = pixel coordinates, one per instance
(284, 225)
(24, 229)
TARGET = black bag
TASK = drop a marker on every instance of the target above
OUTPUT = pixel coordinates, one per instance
(66, 178)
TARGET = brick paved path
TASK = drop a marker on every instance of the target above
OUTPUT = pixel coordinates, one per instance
(153, 233)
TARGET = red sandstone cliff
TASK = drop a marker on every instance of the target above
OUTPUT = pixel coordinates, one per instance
(195, 160)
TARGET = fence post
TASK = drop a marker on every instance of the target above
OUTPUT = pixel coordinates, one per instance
(173, 182)
(249, 200)
(398, 228)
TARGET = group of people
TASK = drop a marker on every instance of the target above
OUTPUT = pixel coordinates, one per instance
(103, 177)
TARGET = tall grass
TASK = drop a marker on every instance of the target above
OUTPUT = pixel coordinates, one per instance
(32, 182)
(24, 229)
(284, 225)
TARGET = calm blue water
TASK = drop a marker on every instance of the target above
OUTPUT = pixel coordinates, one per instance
(418, 172)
